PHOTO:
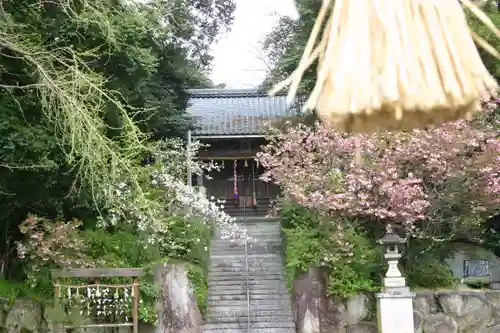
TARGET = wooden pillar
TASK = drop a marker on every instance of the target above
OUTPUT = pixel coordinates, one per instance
(201, 188)
(135, 305)
(199, 179)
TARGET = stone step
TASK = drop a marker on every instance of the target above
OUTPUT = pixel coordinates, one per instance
(242, 277)
(242, 283)
(223, 244)
(260, 225)
(229, 313)
(265, 239)
(282, 299)
(263, 234)
(262, 243)
(251, 268)
(262, 221)
(238, 247)
(244, 325)
(269, 231)
(253, 279)
(254, 264)
(252, 233)
(256, 221)
(240, 253)
(250, 251)
(243, 296)
(239, 311)
(242, 293)
(255, 284)
(242, 290)
(216, 242)
(253, 319)
(253, 260)
(260, 256)
(256, 330)
(216, 283)
(250, 263)
(240, 256)
(252, 272)
(237, 252)
(254, 237)
(243, 311)
(276, 268)
(228, 258)
(281, 303)
(230, 316)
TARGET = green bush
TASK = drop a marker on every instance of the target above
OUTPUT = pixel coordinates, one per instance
(126, 249)
(186, 242)
(347, 255)
(11, 290)
(424, 266)
(198, 277)
(313, 240)
(429, 273)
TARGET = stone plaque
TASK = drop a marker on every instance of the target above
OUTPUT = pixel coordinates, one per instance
(394, 282)
(476, 268)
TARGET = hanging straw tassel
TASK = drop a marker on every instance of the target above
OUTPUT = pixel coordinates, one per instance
(394, 65)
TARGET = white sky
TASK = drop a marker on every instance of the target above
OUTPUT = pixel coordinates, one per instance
(238, 55)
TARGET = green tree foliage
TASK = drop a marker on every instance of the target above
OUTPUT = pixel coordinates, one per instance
(86, 88)
(492, 9)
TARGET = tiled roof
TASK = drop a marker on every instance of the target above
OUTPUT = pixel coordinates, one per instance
(234, 111)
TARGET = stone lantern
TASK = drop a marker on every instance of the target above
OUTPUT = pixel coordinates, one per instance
(393, 246)
(395, 302)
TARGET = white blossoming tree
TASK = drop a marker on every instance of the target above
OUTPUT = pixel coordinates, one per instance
(164, 195)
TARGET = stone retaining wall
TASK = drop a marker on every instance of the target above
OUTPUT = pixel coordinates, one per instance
(457, 311)
(27, 315)
(460, 311)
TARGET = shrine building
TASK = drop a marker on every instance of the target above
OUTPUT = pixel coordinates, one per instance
(232, 122)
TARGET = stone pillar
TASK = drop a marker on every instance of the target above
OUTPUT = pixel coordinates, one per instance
(395, 302)
(177, 306)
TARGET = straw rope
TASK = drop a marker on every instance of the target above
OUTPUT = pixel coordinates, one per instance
(394, 65)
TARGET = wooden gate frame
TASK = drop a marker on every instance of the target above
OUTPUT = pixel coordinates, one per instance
(96, 274)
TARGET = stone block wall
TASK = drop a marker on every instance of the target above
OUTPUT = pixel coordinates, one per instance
(27, 315)
(316, 313)
(460, 311)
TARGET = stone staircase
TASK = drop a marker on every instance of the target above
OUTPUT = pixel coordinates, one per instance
(269, 300)
(260, 210)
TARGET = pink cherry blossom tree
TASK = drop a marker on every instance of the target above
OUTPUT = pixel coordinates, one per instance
(438, 182)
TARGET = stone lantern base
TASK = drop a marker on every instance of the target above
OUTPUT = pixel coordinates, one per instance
(395, 310)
